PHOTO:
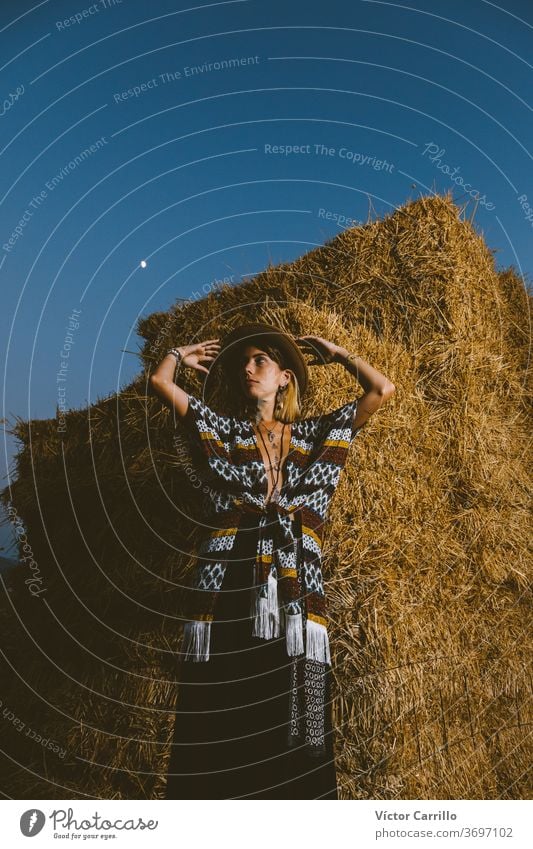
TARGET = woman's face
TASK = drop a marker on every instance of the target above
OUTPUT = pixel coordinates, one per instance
(259, 375)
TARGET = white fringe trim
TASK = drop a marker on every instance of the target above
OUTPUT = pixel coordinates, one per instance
(196, 637)
(266, 612)
(294, 632)
(317, 642)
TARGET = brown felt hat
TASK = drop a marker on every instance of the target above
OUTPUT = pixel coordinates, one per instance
(266, 334)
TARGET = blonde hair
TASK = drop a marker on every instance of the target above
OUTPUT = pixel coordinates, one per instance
(288, 402)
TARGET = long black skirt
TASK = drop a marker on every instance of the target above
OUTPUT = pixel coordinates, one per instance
(232, 712)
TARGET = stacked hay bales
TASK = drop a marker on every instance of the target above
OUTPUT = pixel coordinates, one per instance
(425, 552)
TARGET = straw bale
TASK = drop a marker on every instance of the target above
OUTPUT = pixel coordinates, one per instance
(426, 551)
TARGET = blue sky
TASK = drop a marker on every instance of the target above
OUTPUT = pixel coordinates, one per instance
(210, 140)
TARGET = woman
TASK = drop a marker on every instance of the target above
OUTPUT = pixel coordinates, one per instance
(253, 718)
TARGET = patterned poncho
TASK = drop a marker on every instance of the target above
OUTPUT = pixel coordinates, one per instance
(288, 593)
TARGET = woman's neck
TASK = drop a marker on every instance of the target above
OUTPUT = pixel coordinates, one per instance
(263, 411)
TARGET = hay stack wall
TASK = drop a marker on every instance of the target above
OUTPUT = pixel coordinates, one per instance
(425, 554)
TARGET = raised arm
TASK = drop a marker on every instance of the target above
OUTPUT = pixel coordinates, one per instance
(162, 379)
(378, 388)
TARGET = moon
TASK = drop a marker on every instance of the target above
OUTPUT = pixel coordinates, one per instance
(143, 263)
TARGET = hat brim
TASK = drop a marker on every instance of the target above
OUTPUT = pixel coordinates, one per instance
(260, 333)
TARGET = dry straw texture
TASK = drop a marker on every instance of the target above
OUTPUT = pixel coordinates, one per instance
(426, 551)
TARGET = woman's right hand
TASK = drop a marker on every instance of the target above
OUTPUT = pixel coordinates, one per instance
(201, 352)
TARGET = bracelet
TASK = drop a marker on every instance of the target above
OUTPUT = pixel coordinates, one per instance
(175, 353)
(351, 357)
(178, 356)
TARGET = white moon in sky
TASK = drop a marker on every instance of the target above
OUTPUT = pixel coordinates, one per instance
(143, 263)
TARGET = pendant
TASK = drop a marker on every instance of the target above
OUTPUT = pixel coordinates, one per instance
(271, 437)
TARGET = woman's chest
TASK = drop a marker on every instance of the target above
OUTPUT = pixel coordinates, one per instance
(262, 464)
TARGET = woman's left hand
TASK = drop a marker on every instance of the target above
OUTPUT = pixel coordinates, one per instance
(322, 350)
